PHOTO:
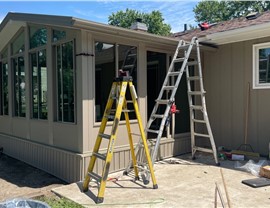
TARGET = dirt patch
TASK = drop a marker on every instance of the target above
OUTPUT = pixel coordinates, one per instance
(18, 179)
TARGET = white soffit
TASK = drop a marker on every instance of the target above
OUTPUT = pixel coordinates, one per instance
(8, 32)
(237, 35)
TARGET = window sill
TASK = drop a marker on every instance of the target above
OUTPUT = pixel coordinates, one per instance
(261, 87)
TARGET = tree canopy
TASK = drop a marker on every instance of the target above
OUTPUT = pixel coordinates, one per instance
(216, 11)
(153, 20)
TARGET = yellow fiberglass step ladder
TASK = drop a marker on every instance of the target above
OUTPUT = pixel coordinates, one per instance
(161, 111)
(117, 100)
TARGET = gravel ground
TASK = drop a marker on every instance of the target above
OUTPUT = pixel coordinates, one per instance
(18, 179)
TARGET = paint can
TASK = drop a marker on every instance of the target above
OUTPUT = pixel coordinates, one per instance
(238, 157)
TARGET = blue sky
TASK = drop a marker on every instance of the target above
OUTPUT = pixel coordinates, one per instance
(176, 13)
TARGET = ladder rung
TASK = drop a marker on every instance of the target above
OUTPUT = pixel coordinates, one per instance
(192, 63)
(128, 66)
(114, 97)
(142, 168)
(100, 156)
(105, 136)
(196, 107)
(162, 101)
(127, 111)
(196, 92)
(110, 116)
(95, 176)
(174, 73)
(194, 78)
(202, 149)
(201, 135)
(132, 54)
(198, 121)
(183, 46)
(129, 101)
(168, 87)
(177, 60)
(158, 115)
(152, 131)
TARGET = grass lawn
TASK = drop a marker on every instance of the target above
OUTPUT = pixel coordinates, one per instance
(58, 202)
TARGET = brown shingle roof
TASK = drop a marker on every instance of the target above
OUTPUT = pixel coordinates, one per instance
(225, 26)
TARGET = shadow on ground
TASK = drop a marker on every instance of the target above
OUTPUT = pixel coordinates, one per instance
(21, 174)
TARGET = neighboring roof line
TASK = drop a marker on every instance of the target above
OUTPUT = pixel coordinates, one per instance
(235, 30)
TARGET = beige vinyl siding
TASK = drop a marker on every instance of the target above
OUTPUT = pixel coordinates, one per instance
(70, 166)
(227, 73)
(63, 164)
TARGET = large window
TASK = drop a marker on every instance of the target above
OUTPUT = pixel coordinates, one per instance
(18, 75)
(107, 66)
(65, 82)
(261, 65)
(17, 45)
(4, 88)
(38, 36)
(39, 84)
(19, 86)
(58, 35)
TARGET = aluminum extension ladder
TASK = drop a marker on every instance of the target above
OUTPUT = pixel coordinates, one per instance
(161, 110)
(117, 104)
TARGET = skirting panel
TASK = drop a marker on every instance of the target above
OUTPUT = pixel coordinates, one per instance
(62, 164)
(71, 167)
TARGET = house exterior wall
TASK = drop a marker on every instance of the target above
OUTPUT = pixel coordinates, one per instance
(227, 72)
(64, 149)
(169, 146)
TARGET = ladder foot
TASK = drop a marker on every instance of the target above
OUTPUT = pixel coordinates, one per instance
(85, 189)
(137, 178)
(193, 158)
(99, 200)
(155, 186)
(218, 164)
(125, 173)
(145, 182)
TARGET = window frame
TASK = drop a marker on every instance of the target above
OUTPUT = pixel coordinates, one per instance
(255, 70)
(12, 71)
(55, 45)
(116, 60)
(36, 51)
(13, 74)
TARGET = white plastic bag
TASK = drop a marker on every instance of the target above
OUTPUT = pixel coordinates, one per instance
(251, 166)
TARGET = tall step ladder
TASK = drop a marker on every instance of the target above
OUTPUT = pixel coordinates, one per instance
(116, 105)
(161, 111)
(199, 121)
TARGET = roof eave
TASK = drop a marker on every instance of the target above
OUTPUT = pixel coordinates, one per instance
(119, 31)
(237, 35)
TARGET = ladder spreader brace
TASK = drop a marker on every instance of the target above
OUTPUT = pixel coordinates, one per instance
(167, 96)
